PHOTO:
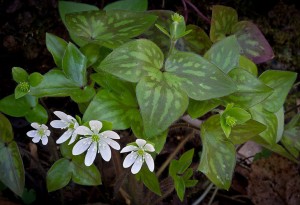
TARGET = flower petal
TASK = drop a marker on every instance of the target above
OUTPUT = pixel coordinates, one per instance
(44, 127)
(149, 161)
(35, 125)
(110, 134)
(111, 143)
(137, 165)
(129, 148)
(95, 126)
(104, 151)
(32, 133)
(61, 115)
(59, 124)
(83, 130)
(81, 146)
(71, 119)
(149, 148)
(140, 142)
(91, 154)
(67, 134)
(36, 139)
(44, 140)
(47, 133)
(129, 159)
(73, 138)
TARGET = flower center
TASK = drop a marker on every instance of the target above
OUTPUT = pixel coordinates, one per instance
(71, 126)
(24, 86)
(140, 152)
(230, 121)
(41, 132)
(95, 138)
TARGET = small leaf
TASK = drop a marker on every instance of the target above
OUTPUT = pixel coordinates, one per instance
(59, 175)
(218, 155)
(93, 52)
(21, 90)
(225, 54)
(161, 102)
(15, 107)
(180, 187)
(83, 95)
(222, 21)
(35, 79)
(74, 65)
(130, 5)
(19, 74)
(185, 161)
(199, 108)
(200, 79)
(248, 65)
(37, 114)
(252, 41)
(281, 82)
(149, 179)
(56, 46)
(133, 60)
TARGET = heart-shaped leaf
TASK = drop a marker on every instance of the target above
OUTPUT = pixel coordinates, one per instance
(225, 54)
(110, 29)
(133, 60)
(252, 41)
(218, 155)
(222, 21)
(281, 82)
(56, 46)
(200, 79)
(130, 5)
(161, 102)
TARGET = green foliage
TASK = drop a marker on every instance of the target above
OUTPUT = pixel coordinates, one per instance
(149, 179)
(131, 5)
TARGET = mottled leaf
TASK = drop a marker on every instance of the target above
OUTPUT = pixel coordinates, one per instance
(252, 41)
(161, 102)
(291, 139)
(200, 79)
(56, 46)
(133, 60)
(281, 82)
(218, 155)
(199, 108)
(222, 21)
(130, 5)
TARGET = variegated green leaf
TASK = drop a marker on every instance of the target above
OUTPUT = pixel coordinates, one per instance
(280, 123)
(218, 155)
(248, 65)
(268, 119)
(290, 139)
(133, 60)
(251, 90)
(225, 54)
(252, 41)
(281, 82)
(110, 28)
(196, 41)
(161, 102)
(130, 5)
(222, 20)
(199, 108)
(200, 79)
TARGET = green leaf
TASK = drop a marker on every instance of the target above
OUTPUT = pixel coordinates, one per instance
(291, 134)
(21, 90)
(252, 41)
(55, 84)
(218, 155)
(28, 196)
(83, 95)
(35, 79)
(225, 54)
(281, 82)
(56, 46)
(133, 60)
(280, 124)
(199, 108)
(15, 107)
(74, 65)
(179, 187)
(111, 28)
(200, 79)
(159, 141)
(12, 172)
(37, 114)
(149, 179)
(19, 74)
(130, 5)
(185, 161)
(251, 90)
(248, 65)
(59, 175)
(94, 52)
(222, 21)
(6, 133)
(161, 102)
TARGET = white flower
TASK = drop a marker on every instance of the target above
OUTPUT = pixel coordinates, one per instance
(138, 155)
(66, 121)
(41, 132)
(95, 142)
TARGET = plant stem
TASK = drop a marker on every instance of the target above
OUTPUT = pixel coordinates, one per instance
(204, 194)
(197, 11)
(213, 196)
(172, 46)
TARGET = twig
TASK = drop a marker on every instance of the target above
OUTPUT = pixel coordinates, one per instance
(210, 186)
(198, 12)
(213, 197)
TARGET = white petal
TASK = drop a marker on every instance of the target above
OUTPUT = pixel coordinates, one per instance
(140, 142)
(137, 165)
(149, 148)
(70, 119)
(35, 125)
(91, 154)
(112, 143)
(59, 124)
(44, 140)
(67, 134)
(61, 115)
(104, 151)
(130, 159)
(73, 138)
(81, 146)
(32, 133)
(129, 148)
(36, 139)
(83, 130)
(44, 127)
(47, 133)
(95, 126)
(149, 161)
(110, 134)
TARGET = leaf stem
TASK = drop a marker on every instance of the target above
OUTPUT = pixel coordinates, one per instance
(210, 186)
(172, 46)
